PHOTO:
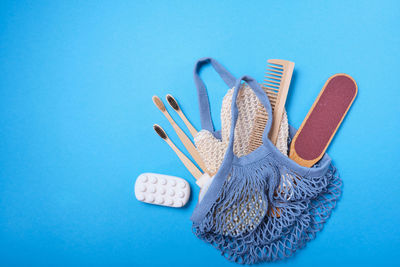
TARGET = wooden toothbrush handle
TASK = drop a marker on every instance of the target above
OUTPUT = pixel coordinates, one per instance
(186, 142)
(192, 130)
(188, 164)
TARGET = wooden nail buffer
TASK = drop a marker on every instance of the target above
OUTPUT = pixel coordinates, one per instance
(322, 121)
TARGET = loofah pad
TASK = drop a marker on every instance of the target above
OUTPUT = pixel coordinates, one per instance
(212, 150)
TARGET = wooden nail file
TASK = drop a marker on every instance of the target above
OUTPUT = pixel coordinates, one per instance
(322, 121)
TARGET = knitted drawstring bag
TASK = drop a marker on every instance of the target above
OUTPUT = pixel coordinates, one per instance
(234, 213)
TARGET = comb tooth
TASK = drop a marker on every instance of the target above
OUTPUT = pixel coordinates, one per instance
(272, 69)
(277, 83)
(272, 100)
(259, 128)
(271, 86)
(272, 78)
(275, 66)
(260, 119)
(271, 81)
(274, 75)
(279, 71)
(258, 131)
(275, 70)
(271, 89)
(272, 93)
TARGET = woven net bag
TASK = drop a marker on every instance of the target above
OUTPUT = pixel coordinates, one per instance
(234, 214)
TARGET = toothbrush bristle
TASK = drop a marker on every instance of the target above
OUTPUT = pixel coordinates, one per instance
(160, 131)
(157, 101)
(172, 102)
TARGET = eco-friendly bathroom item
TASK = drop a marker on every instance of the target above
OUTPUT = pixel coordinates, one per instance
(182, 136)
(322, 121)
(174, 104)
(187, 162)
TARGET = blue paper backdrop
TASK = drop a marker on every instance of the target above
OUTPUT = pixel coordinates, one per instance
(76, 80)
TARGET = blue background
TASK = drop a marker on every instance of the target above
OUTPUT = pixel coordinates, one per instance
(76, 80)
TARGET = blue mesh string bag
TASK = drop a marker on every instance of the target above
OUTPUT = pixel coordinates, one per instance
(263, 206)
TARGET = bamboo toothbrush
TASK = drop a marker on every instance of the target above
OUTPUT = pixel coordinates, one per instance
(182, 136)
(276, 86)
(188, 164)
(174, 104)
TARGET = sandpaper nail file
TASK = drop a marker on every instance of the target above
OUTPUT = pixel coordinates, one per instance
(322, 121)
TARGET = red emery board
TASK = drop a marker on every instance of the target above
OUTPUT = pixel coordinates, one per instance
(322, 121)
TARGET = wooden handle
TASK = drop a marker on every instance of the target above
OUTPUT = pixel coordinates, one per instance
(192, 130)
(188, 164)
(186, 142)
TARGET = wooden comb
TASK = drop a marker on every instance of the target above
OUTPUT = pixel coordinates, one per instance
(322, 121)
(276, 85)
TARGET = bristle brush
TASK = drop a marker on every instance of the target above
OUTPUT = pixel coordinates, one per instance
(182, 136)
(174, 104)
(188, 164)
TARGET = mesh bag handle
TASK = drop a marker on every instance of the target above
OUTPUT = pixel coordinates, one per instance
(204, 104)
